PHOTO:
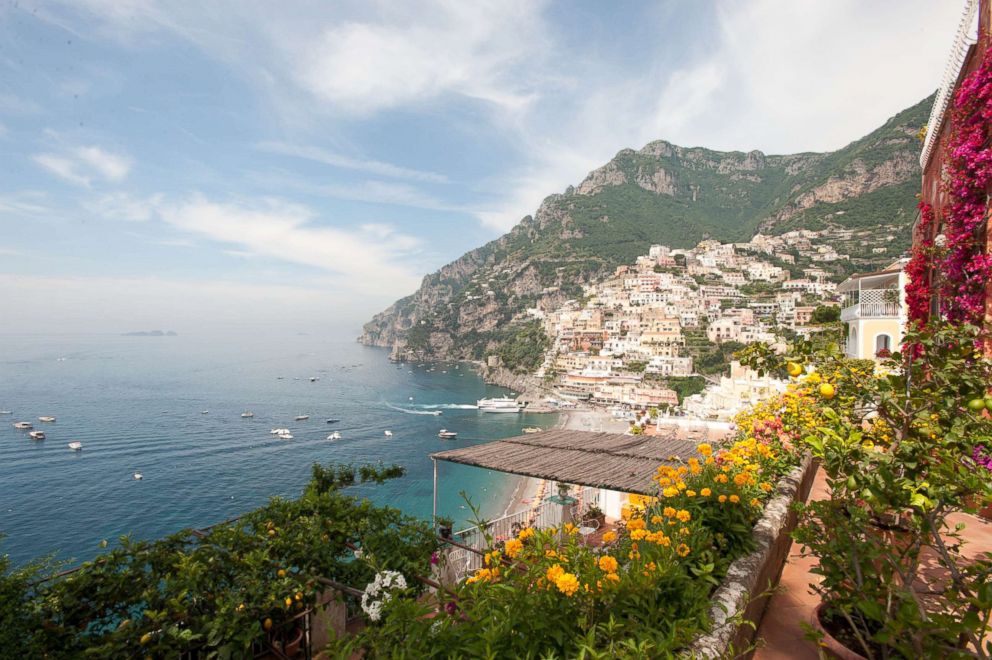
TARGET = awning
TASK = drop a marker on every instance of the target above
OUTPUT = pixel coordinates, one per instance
(613, 461)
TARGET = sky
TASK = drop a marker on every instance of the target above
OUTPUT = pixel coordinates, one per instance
(233, 166)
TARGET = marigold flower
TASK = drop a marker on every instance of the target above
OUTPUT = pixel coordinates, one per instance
(765, 486)
(704, 449)
(671, 491)
(554, 573)
(609, 537)
(705, 492)
(638, 534)
(525, 533)
(740, 479)
(636, 523)
(567, 583)
(683, 515)
(612, 577)
(682, 550)
(756, 503)
(656, 520)
(513, 547)
(690, 493)
(608, 564)
(734, 499)
(722, 498)
(669, 511)
(721, 479)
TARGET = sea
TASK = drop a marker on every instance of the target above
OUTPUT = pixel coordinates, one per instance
(170, 409)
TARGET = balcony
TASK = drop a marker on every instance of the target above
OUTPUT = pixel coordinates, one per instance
(871, 304)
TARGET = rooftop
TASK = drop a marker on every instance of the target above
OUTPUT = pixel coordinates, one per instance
(613, 461)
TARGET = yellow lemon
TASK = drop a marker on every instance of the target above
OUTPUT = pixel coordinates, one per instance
(267, 624)
(147, 637)
(827, 391)
(794, 369)
(281, 572)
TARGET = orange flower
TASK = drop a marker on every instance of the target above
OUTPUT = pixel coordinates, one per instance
(608, 564)
(682, 550)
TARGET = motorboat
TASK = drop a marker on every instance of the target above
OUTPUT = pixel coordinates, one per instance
(279, 431)
(314, 379)
(138, 476)
(23, 426)
(499, 405)
(334, 436)
(333, 420)
(302, 418)
(204, 412)
(445, 434)
(46, 418)
(6, 412)
(247, 414)
(531, 429)
(76, 446)
(388, 434)
(286, 436)
(37, 435)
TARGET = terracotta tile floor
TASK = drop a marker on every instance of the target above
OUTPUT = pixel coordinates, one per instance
(781, 634)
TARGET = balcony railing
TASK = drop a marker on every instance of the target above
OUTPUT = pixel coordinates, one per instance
(873, 304)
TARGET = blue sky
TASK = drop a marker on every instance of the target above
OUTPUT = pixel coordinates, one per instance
(225, 165)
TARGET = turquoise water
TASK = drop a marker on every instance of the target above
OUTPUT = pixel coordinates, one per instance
(135, 403)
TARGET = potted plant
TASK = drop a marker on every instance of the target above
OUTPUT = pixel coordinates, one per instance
(901, 452)
(595, 513)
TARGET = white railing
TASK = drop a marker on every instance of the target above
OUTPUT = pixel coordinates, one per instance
(873, 304)
(547, 514)
(965, 37)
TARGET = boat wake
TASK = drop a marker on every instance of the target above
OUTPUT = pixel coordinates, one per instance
(430, 409)
(449, 406)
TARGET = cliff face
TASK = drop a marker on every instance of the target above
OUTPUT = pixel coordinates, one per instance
(661, 193)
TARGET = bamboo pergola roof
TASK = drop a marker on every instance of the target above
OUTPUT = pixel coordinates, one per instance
(613, 461)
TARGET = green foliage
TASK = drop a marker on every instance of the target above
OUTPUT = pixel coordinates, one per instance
(826, 314)
(212, 593)
(903, 452)
(522, 347)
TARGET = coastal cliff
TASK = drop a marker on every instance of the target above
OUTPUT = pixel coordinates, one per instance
(478, 305)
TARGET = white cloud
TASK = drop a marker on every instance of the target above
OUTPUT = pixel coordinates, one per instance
(24, 203)
(124, 206)
(82, 165)
(346, 162)
(369, 260)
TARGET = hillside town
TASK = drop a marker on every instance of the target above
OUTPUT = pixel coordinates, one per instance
(659, 331)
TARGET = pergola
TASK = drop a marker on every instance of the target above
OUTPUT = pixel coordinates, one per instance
(611, 461)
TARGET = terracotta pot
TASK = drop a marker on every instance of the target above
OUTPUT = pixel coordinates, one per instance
(291, 647)
(830, 644)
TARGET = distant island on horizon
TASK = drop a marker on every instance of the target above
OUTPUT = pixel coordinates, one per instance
(151, 333)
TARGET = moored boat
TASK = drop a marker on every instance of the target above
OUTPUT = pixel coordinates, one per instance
(76, 445)
(445, 434)
(302, 418)
(247, 414)
(37, 435)
(503, 404)
(334, 436)
(23, 426)
(387, 433)
(46, 418)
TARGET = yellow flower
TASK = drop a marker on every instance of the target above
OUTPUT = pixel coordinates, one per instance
(734, 499)
(720, 478)
(765, 486)
(683, 531)
(567, 583)
(684, 516)
(682, 550)
(669, 511)
(705, 449)
(755, 503)
(705, 492)
(608, 564)
(656, 520)
(638, 534)
(554, 573)
(740, 479)
(570, 528)
(671, 491)
(690, 493)
(723, 498)
(525, 533)
(636, 523)
(612, 577)
(609, 537)
(513, 547)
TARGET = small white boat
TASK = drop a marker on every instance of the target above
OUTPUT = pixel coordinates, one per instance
(46, 418)
(437, 413)
(23, 426)
(6, 412)
(204, 412)
(285, 436)
(76, 446)
(302, 418)
(138, 476)
(279, 431)
(388, 434)
(531, 429)
(445, 434)
(248, 413)
(334, 436)
(314, 379)
(37, 435)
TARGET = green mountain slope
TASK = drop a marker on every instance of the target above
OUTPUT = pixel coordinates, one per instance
(661, 193)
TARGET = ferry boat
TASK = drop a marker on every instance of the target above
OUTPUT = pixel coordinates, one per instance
(499, 405)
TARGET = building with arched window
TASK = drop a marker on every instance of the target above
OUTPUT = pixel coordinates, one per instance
(874, 311)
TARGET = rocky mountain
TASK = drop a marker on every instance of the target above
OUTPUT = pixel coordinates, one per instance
(663, 193)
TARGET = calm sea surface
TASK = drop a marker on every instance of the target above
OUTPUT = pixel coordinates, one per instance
(135, 403)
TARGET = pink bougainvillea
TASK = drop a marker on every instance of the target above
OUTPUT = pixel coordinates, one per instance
(918, 269)
(965, 268)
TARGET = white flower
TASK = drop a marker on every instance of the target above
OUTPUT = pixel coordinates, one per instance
(377, 593)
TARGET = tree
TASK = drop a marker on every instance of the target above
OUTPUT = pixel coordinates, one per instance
(826, 314)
